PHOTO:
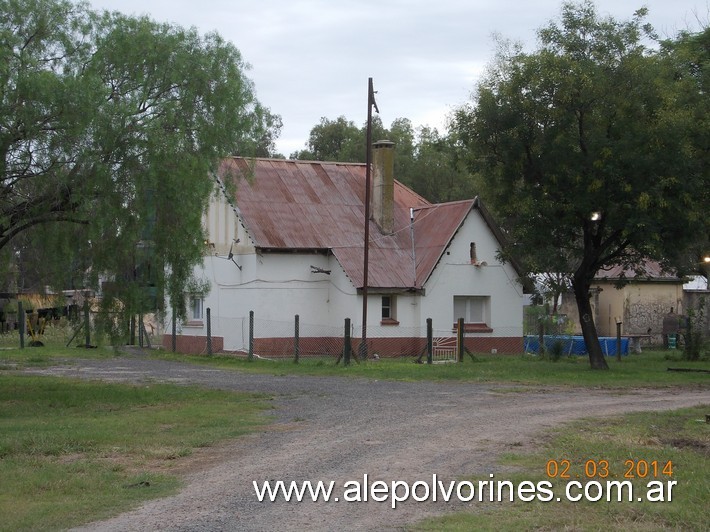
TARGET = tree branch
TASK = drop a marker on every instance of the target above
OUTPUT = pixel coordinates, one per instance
(58, 217)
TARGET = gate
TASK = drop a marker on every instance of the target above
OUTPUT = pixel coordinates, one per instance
(444, 349)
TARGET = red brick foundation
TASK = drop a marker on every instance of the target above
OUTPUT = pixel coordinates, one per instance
(384, 347)
(332, 347)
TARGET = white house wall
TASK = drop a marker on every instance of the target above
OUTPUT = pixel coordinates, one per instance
(278, 286)
(456, 276)
(220, 222)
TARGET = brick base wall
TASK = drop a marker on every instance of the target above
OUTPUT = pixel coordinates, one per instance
(384, 347)
(328, 346)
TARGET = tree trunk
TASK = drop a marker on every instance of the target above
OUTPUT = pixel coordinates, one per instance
(589, 329)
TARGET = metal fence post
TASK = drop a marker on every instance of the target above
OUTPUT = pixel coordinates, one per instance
(460, 340)
(250, 357)
(209, 332)
(429, 341)
(22, 317)
(347, 346)
(296, 347)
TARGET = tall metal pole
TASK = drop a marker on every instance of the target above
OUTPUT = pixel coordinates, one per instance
(368, 163)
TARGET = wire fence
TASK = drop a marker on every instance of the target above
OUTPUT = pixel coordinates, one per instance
(263, 338)
(79, 329)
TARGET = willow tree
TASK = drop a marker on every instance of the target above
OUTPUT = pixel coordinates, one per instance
(110, 127)
(586, 152)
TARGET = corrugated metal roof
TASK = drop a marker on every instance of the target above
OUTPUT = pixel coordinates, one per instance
(299, 205)
(647, 270)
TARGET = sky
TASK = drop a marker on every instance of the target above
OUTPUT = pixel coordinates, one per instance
(312, 58)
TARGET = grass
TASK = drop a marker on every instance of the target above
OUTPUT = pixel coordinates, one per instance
(72, 452)
(649, 369)
(55, 334)
(681, 437)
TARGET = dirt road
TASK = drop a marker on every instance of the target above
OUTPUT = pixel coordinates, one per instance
(341, 429)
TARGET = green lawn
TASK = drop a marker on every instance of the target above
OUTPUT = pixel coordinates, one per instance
(649, 368)
(73, 451)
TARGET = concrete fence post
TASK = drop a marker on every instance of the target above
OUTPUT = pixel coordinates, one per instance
(22, 318)
(460, 340)
(209, 332)
(429, 341)
(174, 331)
(347, 346)
(250, 357)
(87, 324)
(296, 347)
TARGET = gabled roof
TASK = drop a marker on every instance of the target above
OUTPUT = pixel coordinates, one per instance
(289, 205)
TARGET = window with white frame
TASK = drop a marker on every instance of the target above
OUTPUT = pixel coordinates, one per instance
(475, 310)
(197, 304)
(389, 309)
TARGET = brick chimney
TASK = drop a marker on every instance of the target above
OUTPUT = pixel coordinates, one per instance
(383, 185)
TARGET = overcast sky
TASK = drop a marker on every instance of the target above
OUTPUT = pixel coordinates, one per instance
(312, 58)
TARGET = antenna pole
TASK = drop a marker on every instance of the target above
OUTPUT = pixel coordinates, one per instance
(366, 253)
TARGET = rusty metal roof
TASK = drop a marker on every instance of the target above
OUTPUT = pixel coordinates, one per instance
(291, 205)
(646, 270)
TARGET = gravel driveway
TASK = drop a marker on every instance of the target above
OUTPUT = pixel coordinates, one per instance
(341, 429)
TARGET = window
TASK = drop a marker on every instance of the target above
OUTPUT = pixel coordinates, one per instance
(196, 308)
(389, 310)
(475, 311)
(472, 253)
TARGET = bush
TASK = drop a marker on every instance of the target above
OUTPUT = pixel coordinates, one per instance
(694, 337)
(556, 350)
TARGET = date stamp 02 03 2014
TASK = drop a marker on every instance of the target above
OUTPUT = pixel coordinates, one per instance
(599, 468)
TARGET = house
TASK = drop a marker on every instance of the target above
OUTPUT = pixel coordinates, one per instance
(286, 238)
(640, 304)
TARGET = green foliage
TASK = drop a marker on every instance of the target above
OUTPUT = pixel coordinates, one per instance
(425, 160)
(695, 340)
(334, 140)
(113, 127)
(557, 350)
(586, 177)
